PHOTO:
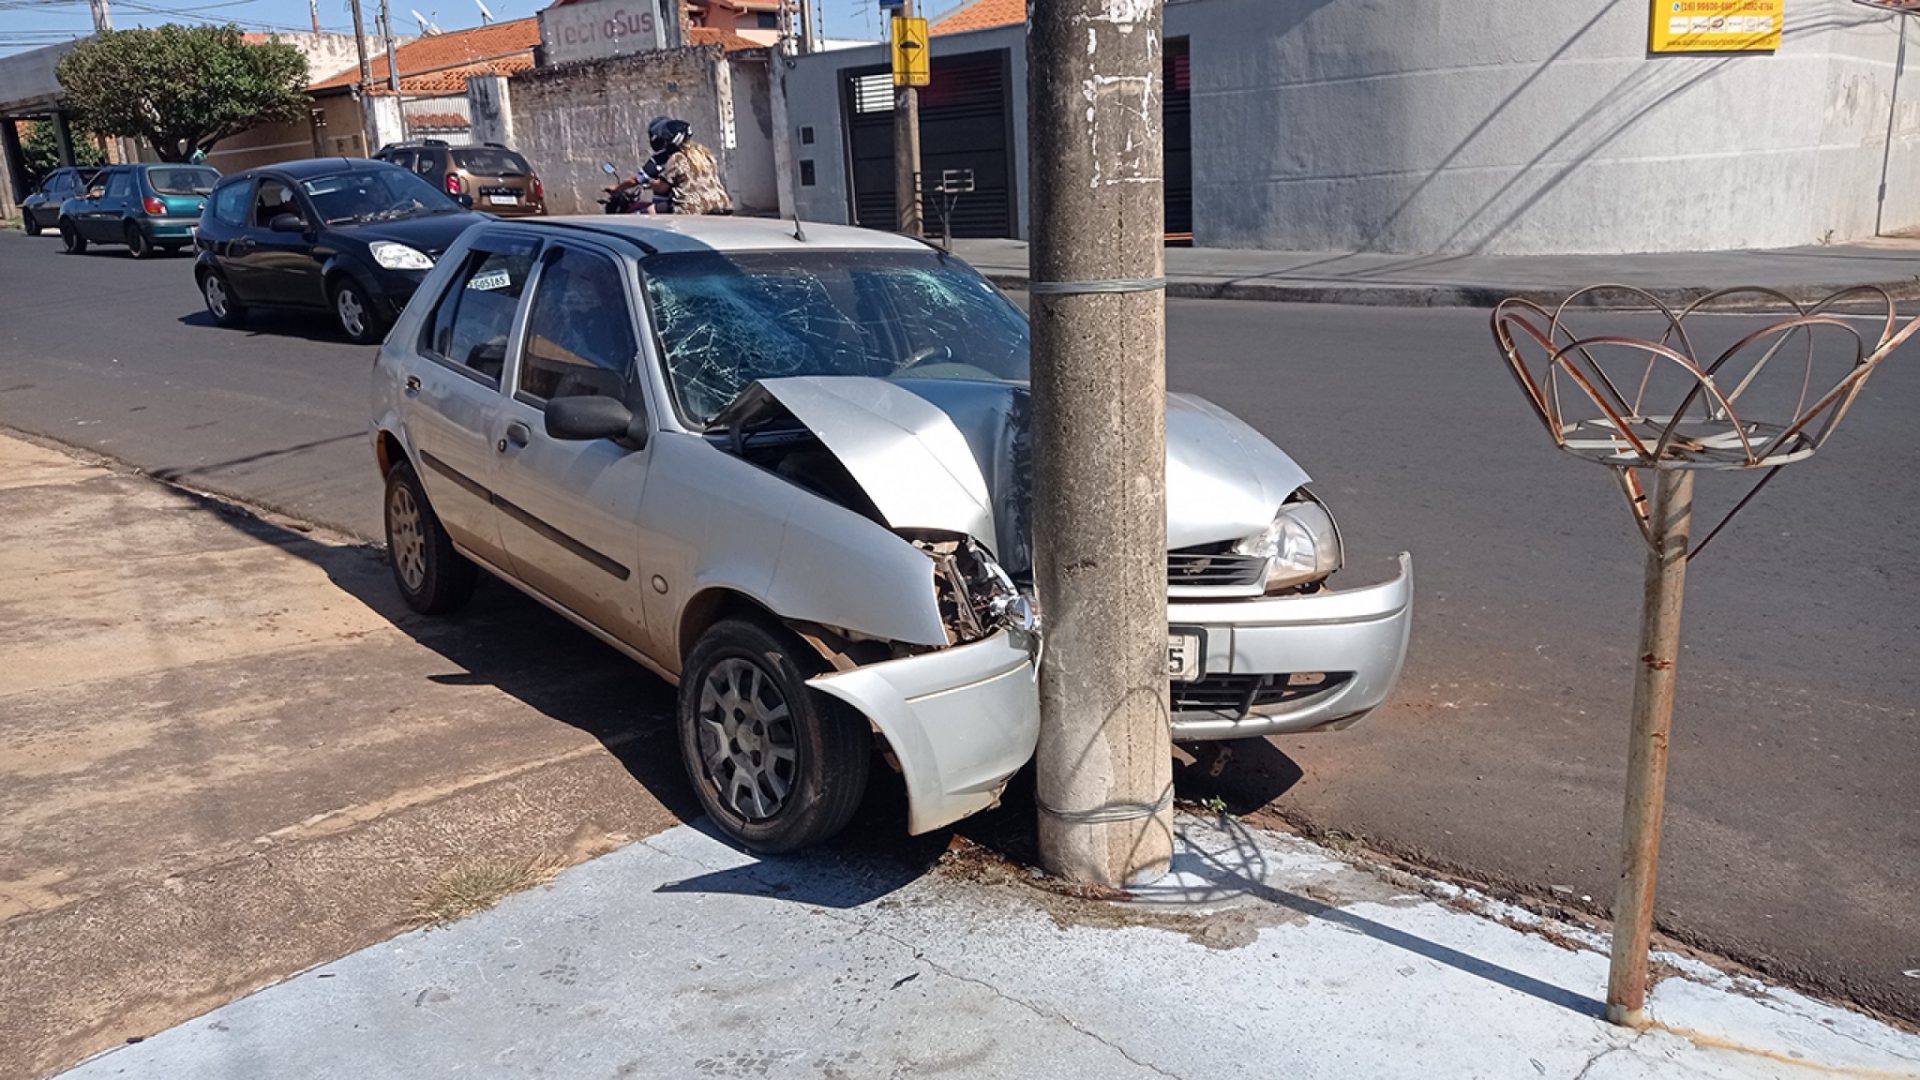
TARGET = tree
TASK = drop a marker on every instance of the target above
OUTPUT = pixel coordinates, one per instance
(41, 148)
(182, 88)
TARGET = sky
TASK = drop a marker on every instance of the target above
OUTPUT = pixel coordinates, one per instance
(26, 24)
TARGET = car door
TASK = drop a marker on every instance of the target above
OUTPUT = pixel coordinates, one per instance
(568, 507)
(111, 213)
(282, 264)
(87, 216)
(45, 207)
(223, 225)
(452, 395)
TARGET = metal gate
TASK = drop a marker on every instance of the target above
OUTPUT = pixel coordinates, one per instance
(964, 124)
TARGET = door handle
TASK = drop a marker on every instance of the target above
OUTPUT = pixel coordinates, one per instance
(412, 386)
(517, 436)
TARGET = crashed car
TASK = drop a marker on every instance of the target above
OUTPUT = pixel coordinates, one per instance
(786, 467)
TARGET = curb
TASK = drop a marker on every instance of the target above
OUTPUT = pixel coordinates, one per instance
(1477, 296)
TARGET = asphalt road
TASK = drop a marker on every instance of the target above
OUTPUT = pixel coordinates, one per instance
(1793, 830)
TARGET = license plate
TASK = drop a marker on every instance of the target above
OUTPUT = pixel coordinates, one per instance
(1184, 653)
(504, 200)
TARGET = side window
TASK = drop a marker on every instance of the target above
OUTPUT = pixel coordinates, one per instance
(402, 158)
(230, 203)
(120, 185)
(470, 325)
(274, 198)
(57, 184)
(579, 329)
(427, 164)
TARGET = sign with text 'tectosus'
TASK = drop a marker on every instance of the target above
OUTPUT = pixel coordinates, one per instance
(912, 61)
(1716, 25)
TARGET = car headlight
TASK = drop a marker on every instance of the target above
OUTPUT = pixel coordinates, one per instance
(1301, 545)
(394, 256)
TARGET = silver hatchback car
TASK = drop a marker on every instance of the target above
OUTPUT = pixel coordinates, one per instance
(787, 470)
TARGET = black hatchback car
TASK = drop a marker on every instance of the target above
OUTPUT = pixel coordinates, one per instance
(346, 234)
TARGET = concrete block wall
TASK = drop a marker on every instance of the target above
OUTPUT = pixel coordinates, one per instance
(569, 118)
(1506, 126)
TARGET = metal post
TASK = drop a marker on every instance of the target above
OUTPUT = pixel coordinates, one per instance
(906, 151)
(1669, 524)
(313, 9)
(360, 44)
(1105, 757)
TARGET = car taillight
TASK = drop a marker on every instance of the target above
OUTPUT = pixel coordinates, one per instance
(453, 184)
(539, 190)
(154, 206)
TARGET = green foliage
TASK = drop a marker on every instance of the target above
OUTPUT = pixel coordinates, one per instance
(182, 88)
(41, 148)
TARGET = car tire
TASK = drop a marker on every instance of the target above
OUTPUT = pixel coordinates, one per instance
(357, 316)
(220, 302)
(434, 579)
(749, 726)
(71, 239)
(31, 223)
(138, 245)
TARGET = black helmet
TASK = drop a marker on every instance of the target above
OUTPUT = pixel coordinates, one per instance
(666, 133)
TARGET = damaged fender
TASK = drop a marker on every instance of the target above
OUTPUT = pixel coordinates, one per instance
(961, 721)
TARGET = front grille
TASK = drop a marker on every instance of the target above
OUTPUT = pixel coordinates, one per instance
(1236, 694)
(1192, 568)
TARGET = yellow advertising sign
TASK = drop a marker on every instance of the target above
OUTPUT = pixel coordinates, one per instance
(912, 61)
(1716, 25)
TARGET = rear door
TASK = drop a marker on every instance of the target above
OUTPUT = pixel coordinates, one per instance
(568, 508)
(453, 391)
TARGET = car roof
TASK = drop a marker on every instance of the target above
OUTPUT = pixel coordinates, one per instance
(307, 168)
(675, 233)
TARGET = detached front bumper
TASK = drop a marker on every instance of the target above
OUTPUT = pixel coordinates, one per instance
(1287, 664)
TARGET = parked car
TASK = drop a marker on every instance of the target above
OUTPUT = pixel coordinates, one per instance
(488, 176)
(148, 208)
(41, 210)
(791, 476)
(344, 234)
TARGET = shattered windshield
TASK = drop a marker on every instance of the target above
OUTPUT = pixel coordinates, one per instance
(726, 319)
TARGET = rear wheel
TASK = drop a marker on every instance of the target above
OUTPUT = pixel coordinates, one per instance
(433, 578)
(32, 223)
(776, 765)
(138, 245)
(358, 317)
(71, 239)
(220, 302)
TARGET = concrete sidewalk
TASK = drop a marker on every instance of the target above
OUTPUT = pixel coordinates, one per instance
(1806, 274)
(1265, 957)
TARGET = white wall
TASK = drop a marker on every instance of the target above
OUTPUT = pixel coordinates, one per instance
(1509, 126)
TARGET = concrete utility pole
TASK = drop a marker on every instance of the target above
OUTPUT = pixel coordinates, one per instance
(102, 16)
(393, 66)
(1670, 528)
(906, 150)
(1105, 758)
(313, 9)
(360, 43)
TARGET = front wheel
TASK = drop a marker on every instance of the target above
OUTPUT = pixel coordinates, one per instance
(777, 766)
(138, 245)
(433, 578)
(358, 318)
(71, 239)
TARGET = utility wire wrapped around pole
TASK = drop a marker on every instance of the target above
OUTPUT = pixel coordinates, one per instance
(1726, 414)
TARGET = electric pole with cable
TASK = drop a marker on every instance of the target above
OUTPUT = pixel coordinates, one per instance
(1105, 759)
(102, 16)
(360, 44)
(909, 35)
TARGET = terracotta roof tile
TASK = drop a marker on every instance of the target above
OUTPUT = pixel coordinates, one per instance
(498, 48)
(437, 122)
(726, 39)
(982, 15)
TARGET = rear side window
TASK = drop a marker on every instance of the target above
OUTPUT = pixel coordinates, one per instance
(491, 161)
(57, 183)
(470, 325)
(579, 329)
(229, 204)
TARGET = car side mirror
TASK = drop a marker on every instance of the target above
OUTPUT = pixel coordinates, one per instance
(595, 416)
(291, 223)
(607, 167)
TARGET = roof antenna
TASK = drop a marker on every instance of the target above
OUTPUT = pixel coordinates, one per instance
(798, 233)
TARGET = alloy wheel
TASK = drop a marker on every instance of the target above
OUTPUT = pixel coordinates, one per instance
(353, 316)
(747, 739)
(216, 291)
(406, 537)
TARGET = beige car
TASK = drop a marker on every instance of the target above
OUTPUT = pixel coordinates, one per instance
(488, 177)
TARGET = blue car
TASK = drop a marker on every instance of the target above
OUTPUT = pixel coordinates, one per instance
(148, 208)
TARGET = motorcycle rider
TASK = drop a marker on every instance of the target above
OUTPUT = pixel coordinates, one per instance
(682, 174)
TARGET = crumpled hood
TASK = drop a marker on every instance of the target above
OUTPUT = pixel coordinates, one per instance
(955, 455)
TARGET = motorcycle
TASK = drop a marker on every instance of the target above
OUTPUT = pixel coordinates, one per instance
(626, 196)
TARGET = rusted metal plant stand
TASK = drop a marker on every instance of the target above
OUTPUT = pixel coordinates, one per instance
(1703, 432)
